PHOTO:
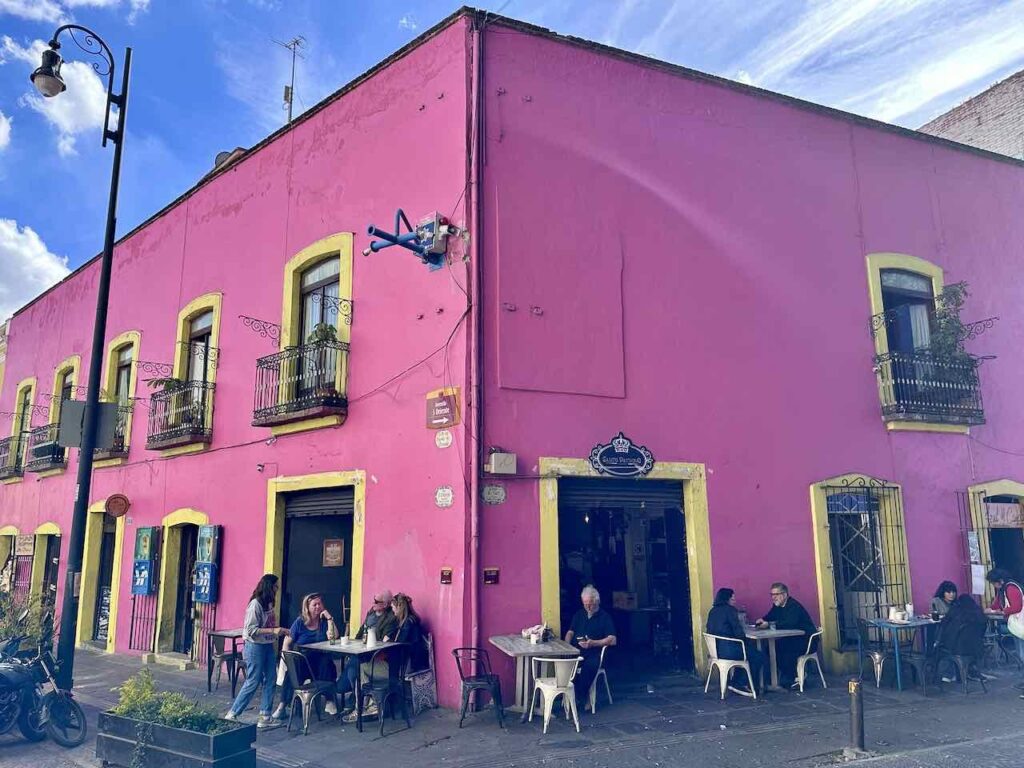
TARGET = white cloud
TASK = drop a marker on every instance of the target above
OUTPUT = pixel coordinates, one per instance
(33, 10)
(27, 268)
(408, 22)
(92, 3)
(80, 109)
(5, 131)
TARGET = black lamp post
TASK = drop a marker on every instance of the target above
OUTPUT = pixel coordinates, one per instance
(48, 82)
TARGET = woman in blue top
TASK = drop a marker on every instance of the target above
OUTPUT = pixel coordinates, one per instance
(315, 625)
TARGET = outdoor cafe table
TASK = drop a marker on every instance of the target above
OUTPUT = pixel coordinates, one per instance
(344, 649)
(770, 636)
(522, 650)
(894, 627)
(234, 635)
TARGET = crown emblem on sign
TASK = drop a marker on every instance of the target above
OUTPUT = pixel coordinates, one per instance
(621, 444)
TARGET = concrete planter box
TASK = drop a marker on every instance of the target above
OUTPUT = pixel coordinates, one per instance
(116, 745)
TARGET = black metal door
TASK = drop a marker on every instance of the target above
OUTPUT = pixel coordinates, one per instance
(184, 609)
(679, 586)
(101, 625)
(304, 569)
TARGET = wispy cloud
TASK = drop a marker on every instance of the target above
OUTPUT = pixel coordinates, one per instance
(27, 267)
(33, 10)
(408, 21)
(5, 131)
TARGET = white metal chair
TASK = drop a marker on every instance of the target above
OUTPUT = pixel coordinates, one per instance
(553, 687)
(601, 675)
(810, 655)
(726, 667)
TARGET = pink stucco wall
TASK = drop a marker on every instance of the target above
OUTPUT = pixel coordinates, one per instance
(352, 163)
(697, 254)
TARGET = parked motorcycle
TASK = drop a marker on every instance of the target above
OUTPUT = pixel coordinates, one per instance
(23, 699)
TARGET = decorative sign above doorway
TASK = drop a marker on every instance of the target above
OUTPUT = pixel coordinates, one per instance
(621, 458)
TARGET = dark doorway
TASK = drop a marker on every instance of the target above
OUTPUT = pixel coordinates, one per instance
(317, 550)
(52, 570)
(628, 539)
(1007, 546)
(184, 608)
(101, 626)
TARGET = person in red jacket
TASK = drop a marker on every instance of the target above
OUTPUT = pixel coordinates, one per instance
(1010, 600)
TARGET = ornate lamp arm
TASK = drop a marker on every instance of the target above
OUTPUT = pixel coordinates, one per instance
(93, 45)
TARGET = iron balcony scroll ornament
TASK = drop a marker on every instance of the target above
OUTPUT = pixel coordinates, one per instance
(158, 370)
(265, 329)
(338, 306)
(621, 458)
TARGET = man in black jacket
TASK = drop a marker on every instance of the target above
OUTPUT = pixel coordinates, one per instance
(787, 613)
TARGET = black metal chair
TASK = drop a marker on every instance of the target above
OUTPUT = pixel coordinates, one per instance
(483, 680)
(386, 684)
(221, 656)
(964, 665)
(307, 689)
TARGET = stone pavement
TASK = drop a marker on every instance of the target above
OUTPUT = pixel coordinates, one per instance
(675, 725)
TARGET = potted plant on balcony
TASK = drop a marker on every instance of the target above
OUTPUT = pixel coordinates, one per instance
(150, 727)
(323, 360)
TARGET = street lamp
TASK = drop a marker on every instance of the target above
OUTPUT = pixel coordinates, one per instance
(49, 83)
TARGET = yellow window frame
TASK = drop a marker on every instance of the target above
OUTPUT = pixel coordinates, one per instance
(109, 381)
(23, 385)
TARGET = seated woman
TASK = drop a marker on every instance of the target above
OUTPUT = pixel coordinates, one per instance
(944, 597)
(724, 621)
(315, 625)
(962, 633)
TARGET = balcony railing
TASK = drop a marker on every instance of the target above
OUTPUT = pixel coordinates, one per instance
(43, 451)
(120, 447)
(12, 457)
(299, 383)
(920, 386)
(181, 414)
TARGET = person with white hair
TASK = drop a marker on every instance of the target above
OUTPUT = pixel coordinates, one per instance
(590, 631)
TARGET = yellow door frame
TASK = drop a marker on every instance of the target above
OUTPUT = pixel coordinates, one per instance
(273, 555)
(7, 536)
(975, 496)
(90, 576)
(846, 661)
(170, 554)
(42, 533)
(698, 538)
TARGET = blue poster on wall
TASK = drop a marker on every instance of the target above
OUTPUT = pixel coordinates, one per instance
(204, 589)
(142, 577)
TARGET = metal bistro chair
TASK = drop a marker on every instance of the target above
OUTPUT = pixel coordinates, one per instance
(308, 690)
(726, 667)
(421, 684)
(871, 650)
(483, 680)
(550, 688)
(386, 684)
(220, 657)
(601, 675)
(806, 658)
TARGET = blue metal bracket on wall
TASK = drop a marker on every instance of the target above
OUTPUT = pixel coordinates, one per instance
(428, 240)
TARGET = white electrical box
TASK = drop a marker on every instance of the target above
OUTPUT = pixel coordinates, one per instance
(501, 464)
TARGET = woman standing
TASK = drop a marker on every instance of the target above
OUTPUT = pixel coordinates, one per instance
(260, 631)
(314, 625)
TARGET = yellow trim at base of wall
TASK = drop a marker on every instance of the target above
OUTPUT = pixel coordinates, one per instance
(698, 539)
(10, 481)
(170, 556)
(52, 472)
(273, 552)
(307, 424)
(90, 572)
(107, 463)
(924, 426)
(183, 450)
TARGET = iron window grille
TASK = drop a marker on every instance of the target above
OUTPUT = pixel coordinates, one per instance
(12, 456)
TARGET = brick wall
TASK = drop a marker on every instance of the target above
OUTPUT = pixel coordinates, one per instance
(992, 120)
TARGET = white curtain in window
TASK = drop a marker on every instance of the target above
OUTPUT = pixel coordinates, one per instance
(920, 326)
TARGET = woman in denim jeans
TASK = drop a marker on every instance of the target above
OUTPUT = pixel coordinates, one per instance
(260, 631)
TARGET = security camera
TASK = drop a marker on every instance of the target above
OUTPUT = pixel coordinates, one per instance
(367, 251)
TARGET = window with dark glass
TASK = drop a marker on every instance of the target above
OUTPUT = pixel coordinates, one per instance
(123, 375)
(23, 423)
(199, 334)
(319, 293)
(67, 391)
(909, 303)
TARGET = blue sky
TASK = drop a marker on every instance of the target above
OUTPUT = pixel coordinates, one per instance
(207, 76)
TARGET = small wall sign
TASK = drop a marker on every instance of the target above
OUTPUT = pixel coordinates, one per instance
(621, 458)
(446, 575)
(334, 553)
(116, 505)
(204, 588)
(494, 494)
(444, 496)
(443, 438)
(24, 545)
(443, 408)
(142, 578)
(492, 575)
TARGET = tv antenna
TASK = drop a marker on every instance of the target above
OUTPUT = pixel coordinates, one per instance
(292, 45)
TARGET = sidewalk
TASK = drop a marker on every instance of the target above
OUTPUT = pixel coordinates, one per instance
(676, 725)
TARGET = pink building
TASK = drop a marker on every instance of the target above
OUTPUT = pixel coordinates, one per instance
(738, 295)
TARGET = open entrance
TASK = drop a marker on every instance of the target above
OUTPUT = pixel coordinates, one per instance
(184, 607)
(628, 539)
(48, 548)
(104, 579)
(318, 534)
(1006, 533)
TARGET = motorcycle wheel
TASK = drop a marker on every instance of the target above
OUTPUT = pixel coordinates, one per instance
(28, 724)
(66, 724)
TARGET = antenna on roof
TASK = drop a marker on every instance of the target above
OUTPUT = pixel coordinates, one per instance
(292, 45)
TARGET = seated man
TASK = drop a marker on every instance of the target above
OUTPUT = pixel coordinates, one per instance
(591, 630)
(787, 613)
(380, 618)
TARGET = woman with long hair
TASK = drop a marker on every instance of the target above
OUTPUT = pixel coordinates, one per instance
(724, 621)
(260, 631)
(410, 631)
(944, 597)
(315, 624)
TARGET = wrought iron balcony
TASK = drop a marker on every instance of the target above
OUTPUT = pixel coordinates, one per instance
(43, 451)
(921, 386)
(181, 414)
(300, 383)
(12, 455)
(119, 449)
